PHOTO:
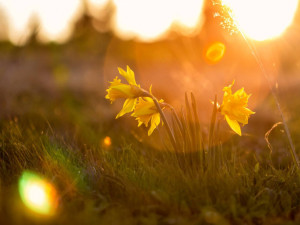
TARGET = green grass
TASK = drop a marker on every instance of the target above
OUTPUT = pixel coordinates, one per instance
(132, 182)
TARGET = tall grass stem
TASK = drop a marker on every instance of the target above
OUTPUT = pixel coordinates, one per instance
(286, 128)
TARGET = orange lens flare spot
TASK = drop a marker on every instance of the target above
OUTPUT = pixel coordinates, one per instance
(37, 194)
(215, 52)
(107, 141)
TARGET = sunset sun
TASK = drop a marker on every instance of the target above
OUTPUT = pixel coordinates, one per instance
(262, 19)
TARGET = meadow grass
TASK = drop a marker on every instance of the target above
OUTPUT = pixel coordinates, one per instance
(131, 182)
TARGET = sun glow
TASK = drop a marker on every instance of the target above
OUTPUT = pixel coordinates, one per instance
(262, 19)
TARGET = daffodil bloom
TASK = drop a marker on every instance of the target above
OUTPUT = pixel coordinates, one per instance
(145, 112)
(130, 91)
(234, 108)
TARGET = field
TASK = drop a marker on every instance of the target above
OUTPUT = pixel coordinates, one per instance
(55, 122)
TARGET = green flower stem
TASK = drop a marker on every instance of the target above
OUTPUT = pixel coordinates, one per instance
(166, 123)
(171, 136)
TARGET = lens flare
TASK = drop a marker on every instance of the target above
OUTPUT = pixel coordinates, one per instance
(37, 194)
(215, 52)
(262, 19)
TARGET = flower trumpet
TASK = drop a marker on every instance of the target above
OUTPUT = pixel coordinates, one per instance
(145, 112)
(130, 92)
(234, 108)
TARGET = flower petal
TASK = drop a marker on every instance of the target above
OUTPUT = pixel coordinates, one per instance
(234, 125)
(143, 120)
(155, 120)
(128, 106)
(128, 75)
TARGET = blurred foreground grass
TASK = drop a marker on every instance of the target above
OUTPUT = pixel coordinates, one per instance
(130, 182)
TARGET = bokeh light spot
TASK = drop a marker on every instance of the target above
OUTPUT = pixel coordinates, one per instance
(107, 141)
(37, 194)
(215, 52)
(150, 20)
(54, 19)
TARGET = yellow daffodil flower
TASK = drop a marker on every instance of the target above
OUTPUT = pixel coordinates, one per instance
(145, 112)
(234, 108)
(130, 91)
